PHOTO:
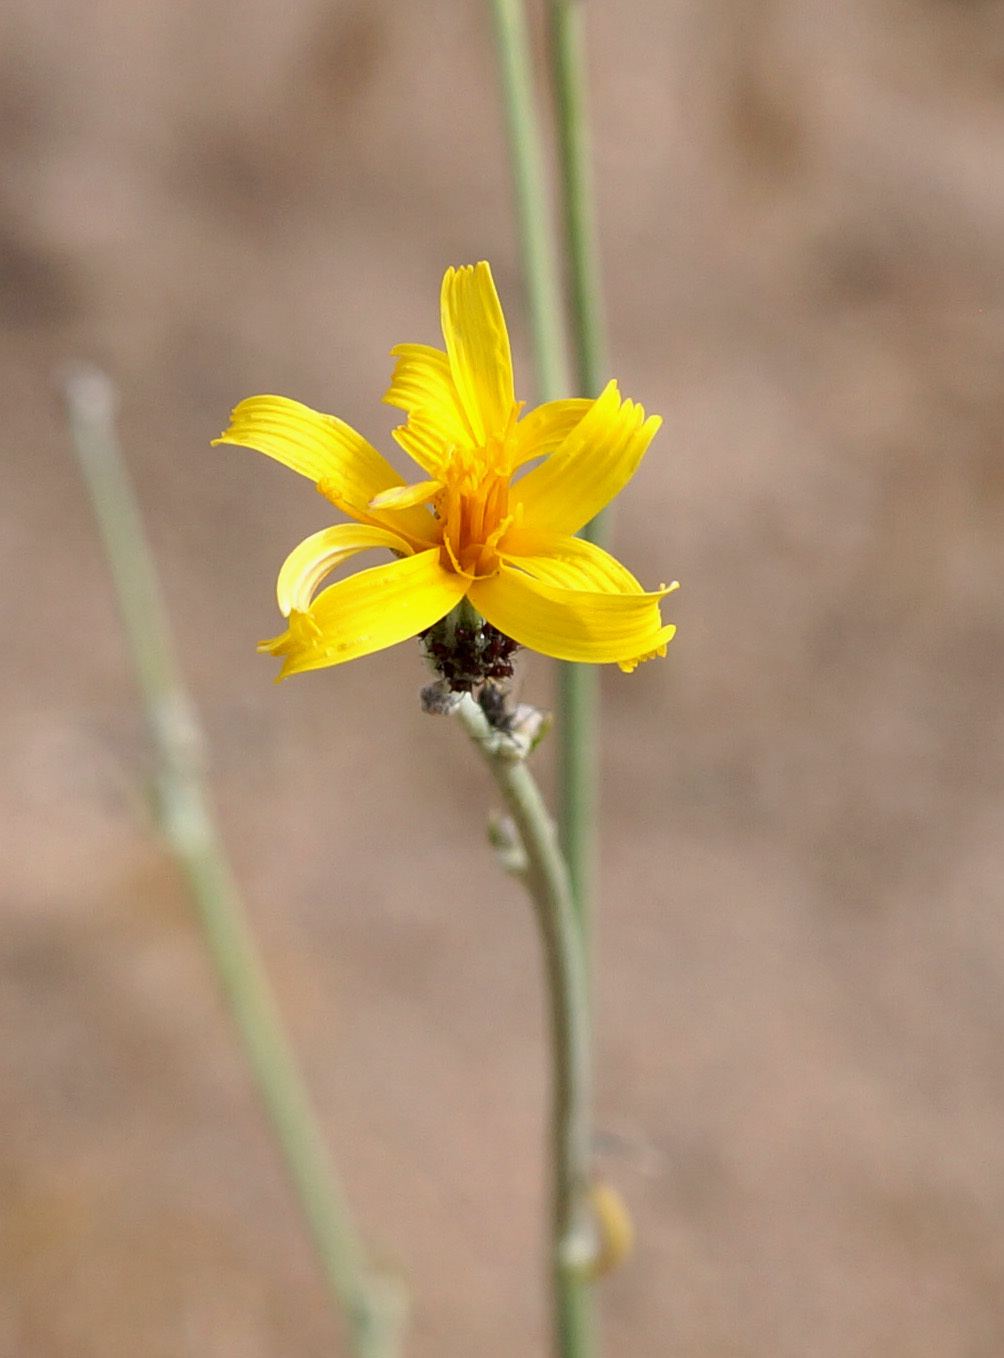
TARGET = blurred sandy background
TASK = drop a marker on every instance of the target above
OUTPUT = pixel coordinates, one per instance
(801, 1026)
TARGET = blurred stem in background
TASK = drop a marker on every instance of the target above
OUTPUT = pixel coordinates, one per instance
(533, 208)
(374, 1305)
(578, 217)
(578, 685)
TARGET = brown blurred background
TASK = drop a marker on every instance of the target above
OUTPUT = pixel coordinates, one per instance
(800, 1016)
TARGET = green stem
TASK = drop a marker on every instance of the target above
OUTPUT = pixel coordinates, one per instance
(577, 780)
(373, 1305)
(567, 56)
(578, 685)
(536, 232)
(545, 876)
(577, 762)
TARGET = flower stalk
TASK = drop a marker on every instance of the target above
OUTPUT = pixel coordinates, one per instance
(373, 1305)
(578, 696)
(530, 190)
(578, 686)
(538, 861)
(578, 218)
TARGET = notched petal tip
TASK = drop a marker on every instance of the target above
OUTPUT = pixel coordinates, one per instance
(662, 640)
(301, 630)
(477, 344)
(657, 653)
(590, 467)
(586, 626)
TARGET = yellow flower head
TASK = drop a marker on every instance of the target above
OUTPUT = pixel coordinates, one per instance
(472, 528)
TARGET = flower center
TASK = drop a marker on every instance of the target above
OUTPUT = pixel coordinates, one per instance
(473, 506)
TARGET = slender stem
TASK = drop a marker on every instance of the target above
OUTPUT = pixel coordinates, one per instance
(575, 172)
(577, 780)
(578, 685)
(576, 758)
(536, 232)
(545, 876)
(373, 1305)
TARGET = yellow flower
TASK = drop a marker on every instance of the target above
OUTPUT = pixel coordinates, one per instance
(472, 528)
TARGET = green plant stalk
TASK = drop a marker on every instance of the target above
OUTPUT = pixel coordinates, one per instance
(578, 685)
(373, 1305)
(577, 781)
(544, 872)
(530, 185)
(578, 220)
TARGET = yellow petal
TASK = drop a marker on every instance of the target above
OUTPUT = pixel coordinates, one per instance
(414, 523)
(570, 563)
(318, 446)
(593, 463)
(569, 624)
(423, 385)
(422, 377)
(308, 564)
(545, 428)
(423, 440)
(367, 612)
(478, 346)
(406, 497)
